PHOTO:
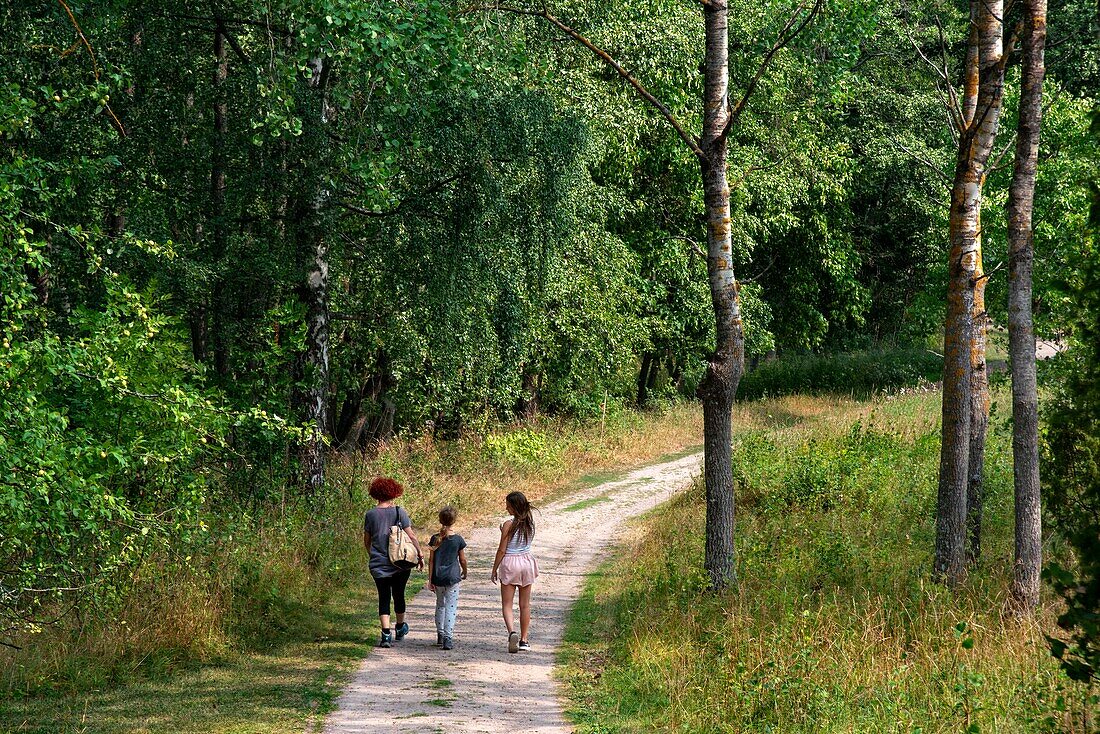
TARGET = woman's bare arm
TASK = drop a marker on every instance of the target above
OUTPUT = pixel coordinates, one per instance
(504, 532)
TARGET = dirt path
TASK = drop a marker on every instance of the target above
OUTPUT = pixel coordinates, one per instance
(1047, 348)
(479, 686)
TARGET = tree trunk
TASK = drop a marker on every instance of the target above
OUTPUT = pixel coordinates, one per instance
(990, 94)
(725, 365)
(643, 379)
(1021, 333)
(980, 111)
(380, 429)
(217, 201)
(979, 413)
(313, 246)
(349, 420)
(196, 322)
(527, 407)
(654, 371)
(955, 443)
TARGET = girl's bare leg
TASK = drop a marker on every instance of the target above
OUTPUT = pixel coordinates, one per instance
(524, 611)
(507, 594)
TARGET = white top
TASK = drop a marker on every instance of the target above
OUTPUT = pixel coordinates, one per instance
(517, 543)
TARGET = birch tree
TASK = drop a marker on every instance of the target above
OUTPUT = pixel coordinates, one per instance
(720, 115)
(1021, 332)
(976, 115)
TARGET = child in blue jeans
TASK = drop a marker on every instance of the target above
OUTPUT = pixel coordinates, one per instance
(446, 568)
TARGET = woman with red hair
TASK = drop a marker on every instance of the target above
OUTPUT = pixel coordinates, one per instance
(389, 579)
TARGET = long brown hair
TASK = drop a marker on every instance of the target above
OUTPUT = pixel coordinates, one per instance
(521, 511)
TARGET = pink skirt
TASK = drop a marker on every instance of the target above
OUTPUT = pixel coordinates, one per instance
(520, 569)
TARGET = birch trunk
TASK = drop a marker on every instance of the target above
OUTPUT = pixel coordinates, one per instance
(965, 399)
(1021, 333)
(990, 96)
(955, 445)
(979, 411)
(313, 246)
(724, 367)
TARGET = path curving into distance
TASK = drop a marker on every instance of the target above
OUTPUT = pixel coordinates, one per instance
(479, 686)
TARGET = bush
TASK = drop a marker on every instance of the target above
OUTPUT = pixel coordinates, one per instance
(857, 373)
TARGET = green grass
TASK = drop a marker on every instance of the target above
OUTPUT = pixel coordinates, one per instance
(855, 373)
(270, 615)
(835, 626)
(587, 503)
(286, 688)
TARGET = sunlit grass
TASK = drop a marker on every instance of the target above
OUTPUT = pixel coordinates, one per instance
(254, 632)
(835, 626)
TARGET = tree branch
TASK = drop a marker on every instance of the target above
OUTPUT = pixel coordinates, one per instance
(115, 122)
(791, 30)
(394, 210)
(955, 110)
(695, 247)
(691, 142)
(921, 159)
(950, 96)
(233, 44)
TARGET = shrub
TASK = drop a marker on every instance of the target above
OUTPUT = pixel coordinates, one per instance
(857, 373)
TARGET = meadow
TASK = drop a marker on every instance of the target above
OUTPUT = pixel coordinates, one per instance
(835, 625)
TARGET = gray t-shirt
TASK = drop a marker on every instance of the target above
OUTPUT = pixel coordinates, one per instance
(446, 570)
(378, 522)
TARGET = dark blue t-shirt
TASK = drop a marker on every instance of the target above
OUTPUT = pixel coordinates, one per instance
(378, 522)
(446, 570)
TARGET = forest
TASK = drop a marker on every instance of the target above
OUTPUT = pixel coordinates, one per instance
(255, 253)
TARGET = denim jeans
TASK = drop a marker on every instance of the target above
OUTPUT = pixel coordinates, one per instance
(446, 608)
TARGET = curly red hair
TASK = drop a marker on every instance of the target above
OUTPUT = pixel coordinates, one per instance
(384, 488)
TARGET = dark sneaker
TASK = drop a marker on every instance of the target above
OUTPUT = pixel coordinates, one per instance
(438, 639)
(386, 641)
(402, 630)
(448, 643)
(523, 646)
(513, 642)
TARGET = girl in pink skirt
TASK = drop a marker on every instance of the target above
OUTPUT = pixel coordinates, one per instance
(516, 568)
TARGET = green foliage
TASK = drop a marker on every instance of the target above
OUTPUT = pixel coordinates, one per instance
(856, 373)
(523, 447)
(502, 225)
(1071, 470)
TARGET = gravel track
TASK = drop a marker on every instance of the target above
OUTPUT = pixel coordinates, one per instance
(479, 686)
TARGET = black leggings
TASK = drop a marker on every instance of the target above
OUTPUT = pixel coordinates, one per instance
(392, 586)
